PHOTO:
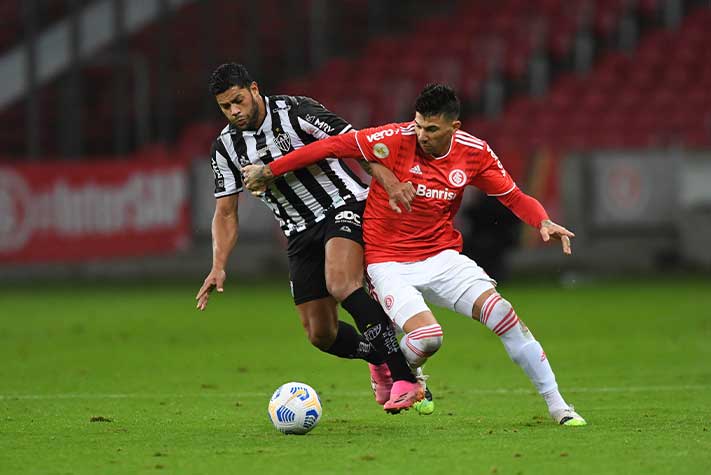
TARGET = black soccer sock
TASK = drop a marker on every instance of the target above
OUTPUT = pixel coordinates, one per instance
(351, 344)
(374, 324)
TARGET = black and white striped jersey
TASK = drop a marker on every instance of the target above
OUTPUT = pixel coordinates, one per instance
(298, 199)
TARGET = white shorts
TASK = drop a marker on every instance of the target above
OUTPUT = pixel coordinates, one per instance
(447, 279)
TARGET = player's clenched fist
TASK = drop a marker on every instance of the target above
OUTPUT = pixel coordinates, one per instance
(257, 178)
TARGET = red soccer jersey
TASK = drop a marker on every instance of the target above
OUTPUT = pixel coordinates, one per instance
(439, 184)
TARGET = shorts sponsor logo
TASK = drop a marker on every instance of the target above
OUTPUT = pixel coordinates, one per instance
(381, 150)
(389, 301)
(457, 177)
(346, 229)
(349, 217)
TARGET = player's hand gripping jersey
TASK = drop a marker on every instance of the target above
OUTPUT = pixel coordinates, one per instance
(439, 184)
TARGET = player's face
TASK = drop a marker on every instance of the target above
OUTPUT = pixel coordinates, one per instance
(242, 106)
(434, 133)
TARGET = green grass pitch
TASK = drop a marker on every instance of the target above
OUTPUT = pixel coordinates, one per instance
(172, 390)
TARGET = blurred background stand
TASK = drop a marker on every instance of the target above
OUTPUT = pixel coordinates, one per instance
(599, 108)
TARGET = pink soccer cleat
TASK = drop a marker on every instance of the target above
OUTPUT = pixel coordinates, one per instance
(403, 395)
(381, 381)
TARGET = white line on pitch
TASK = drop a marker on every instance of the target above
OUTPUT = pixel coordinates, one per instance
(324, 392)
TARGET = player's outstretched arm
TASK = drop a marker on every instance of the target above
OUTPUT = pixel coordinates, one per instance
(225, 229)
(257, 178)
(495, 181)
(549, 230)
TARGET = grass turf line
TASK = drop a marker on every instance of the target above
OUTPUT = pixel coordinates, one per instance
(204, 374)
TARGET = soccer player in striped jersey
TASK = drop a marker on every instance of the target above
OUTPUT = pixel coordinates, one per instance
(417, 256)
(319, 209)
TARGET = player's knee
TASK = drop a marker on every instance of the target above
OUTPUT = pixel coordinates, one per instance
(319, 334)
(431, 344)
(426, 340)
(321, 338)
(340, 285)
(498, 315)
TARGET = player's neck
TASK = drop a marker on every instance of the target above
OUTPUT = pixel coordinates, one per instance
(261, 112)
(443, 152)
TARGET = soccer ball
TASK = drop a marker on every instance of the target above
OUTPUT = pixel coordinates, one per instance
(294, 408)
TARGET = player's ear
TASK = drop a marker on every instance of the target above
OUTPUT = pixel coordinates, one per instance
(457, 124)
(254, 88)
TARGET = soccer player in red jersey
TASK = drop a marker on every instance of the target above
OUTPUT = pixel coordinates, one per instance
(416, 256)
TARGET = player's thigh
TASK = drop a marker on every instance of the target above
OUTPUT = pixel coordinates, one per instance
(344, 249)
(455, 282)
(344, 267)
(307, 262)
(398, 297)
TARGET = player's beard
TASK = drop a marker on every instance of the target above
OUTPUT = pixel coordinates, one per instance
(251, 123)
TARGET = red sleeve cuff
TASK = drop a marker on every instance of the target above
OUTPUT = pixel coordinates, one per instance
(527, 208)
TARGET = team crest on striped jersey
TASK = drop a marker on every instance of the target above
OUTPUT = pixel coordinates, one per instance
(457, 177)
(283, 141)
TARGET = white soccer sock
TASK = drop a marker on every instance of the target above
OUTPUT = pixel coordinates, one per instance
(421, 343)
(498, 315)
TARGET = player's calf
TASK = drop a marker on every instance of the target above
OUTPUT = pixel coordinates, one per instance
(376, 328)
(499, 316)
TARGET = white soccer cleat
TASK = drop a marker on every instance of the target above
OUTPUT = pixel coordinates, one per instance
(568, 417)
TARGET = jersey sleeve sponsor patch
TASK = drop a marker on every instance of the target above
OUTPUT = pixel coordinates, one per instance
(378, 144)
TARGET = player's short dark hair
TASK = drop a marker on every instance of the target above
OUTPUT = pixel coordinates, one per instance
(228, 75)
(436, 99)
